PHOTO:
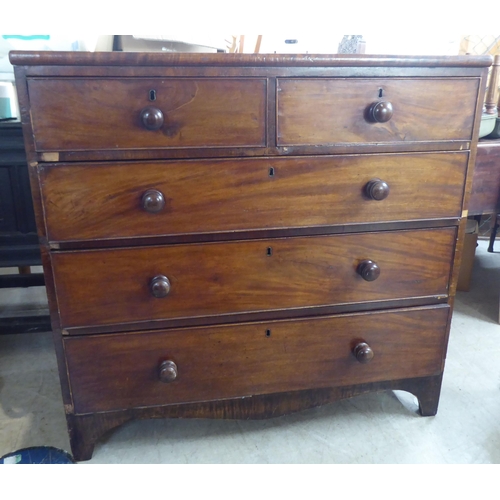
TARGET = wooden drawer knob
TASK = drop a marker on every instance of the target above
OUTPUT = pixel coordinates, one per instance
(369, 270)
(168, 371)
(153, 201)
(381, 111)
(363, 353)
(152, 118)
(377, 190)
(160, 286)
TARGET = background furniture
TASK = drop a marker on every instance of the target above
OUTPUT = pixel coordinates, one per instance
(244, 236)
(157, 43)
(19, 247)
(485, 194)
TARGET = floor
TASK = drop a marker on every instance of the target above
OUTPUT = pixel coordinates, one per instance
(376, 428)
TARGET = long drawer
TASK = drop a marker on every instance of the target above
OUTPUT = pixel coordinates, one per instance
(118, 200)
(133, 113)
(102, 287)
(326, 111)
(113, 372)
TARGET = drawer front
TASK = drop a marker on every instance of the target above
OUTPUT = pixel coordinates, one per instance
(84, 201)
(113, 286)
(123, 371)
(329, 111)
(99, 114)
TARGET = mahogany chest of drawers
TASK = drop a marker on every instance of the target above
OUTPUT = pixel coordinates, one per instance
(243, 236)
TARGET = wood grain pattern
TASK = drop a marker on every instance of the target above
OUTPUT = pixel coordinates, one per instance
(113, 286)
(104, 201)
(327, 111)
(58, 58)
(122, 371)
(485, 194)
(227, 312)
(85, 430)
(127, 155)
(106, 113)
(266, 315)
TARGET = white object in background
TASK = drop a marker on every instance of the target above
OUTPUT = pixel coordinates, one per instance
(210, 41)
(9, 107)
(299, 43)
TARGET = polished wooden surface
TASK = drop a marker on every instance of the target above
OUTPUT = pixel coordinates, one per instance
(109, 113)
(182, 226)
(168, 371)
(485, 195)
(152, 118)
(106, 59)
(377, 189)
(326, 111)
(241, 360)
(369, 270)
(381, 111)
(159, 286)
(113, 286)
(363, 353)
(153, 201)
(103, 201)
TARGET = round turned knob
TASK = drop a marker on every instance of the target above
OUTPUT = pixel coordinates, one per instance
(381, 111)
(153, 201)
(369, 270)
(160, 286)
(377, 190)
(363, 352)
(152, 118)
(168, 371)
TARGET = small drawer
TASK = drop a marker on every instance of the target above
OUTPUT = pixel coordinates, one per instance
(72, 114)
(127, 200)
(103, 287)
(323, 111)
(115, 372)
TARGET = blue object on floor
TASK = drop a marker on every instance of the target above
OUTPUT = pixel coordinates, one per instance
(38, 455)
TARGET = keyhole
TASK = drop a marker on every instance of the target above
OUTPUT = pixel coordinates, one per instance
(271, 172)
(152, 95)
(269, 251)
(380, 93)
(268, 333)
